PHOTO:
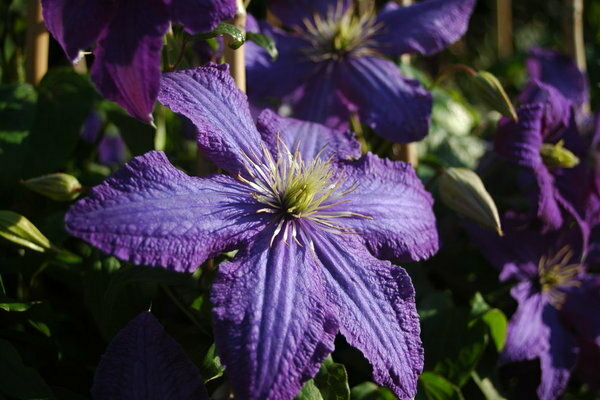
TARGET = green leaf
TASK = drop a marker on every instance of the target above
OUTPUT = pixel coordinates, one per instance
(487, 387)
(331, 382)
(16, 379)
(264, 41)
(237, 36)
(211, 367)
(436, 387)
(16, 306)
(371, 391)
(309, 392)
(497, 324)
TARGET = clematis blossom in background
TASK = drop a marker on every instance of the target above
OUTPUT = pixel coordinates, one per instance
(556, 322)
(128, 40)
(332, 61)
(312, 220)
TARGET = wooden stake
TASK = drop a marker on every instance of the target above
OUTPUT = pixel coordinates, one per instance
(36, 48)
(235, 58)
(504, 28)
(574, 42)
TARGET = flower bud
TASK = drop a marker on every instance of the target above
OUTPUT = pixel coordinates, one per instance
(462, 191)
(555, 155)
(18, 229)
(59, 187)
(492, 93)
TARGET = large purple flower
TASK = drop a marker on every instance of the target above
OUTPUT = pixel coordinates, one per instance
(545, 140)
(310, 221)
(331, 62)
(128, 37)
(557, 315)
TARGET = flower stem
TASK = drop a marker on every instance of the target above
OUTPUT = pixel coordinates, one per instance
(37, 44)
(235, 58)
(574, 35)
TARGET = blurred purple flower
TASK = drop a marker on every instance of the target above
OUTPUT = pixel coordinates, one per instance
(144, 362)
(310, 223)
(558, 301)
(92, 126)
(331, 63)
(128, 37)
(112, 150)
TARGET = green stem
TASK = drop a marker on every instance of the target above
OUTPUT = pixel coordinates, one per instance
(185, 310)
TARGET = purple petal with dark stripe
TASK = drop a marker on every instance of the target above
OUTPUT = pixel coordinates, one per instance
(201, 15)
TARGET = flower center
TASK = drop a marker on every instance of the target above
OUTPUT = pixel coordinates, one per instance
(558, 271)
(340, 33)
(292, 189)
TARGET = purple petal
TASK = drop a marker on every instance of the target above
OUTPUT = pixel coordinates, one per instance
(201, 15)
(425, 27)
(396, 107)
(112, 150)
(151, 213)
(560, 71)
(400, 224)
(309, 138)
(76, 24)
(520, 141)
(559, 360)
(527, 336)
(91, 127)
(377, 310)
(209, 98)
(557, 109)
(269, 78)
(581, 306)
(273, 327)
(292, 13)
(319, 98)
(126, 67)
(587, 365)
(144, 362)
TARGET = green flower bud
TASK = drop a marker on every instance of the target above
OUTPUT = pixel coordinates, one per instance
(59, 187)
(492, 93)
(555, 155)
(18, 229)
(462, 191)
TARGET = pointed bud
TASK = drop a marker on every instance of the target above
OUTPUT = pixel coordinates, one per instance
(492, 93)
(59, 187)
(462, 191)
(18, 229)
(555, 155)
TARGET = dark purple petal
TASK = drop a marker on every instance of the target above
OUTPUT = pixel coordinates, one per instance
(559, 360)
(201, 15)
(309, 138)
(269, 78)
(151, 213)
(396, 107)
(400, 224)
(144, 362)
(425, 27)
(209, 98)
(520, 141)
(91, 127)
(377, 310)
(126, 67)
(273, 326)
(587, 365)
(319, 98)
(112, 150)
(293, 12)
(557, 110)
(528, 335)
(560, 71)
(76, 24)
(581, 306)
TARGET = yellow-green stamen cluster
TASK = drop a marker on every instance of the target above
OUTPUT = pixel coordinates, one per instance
(558, 271)
(339, 34)
(292, 189)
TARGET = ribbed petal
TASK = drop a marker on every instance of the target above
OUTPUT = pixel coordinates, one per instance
(560, 71)
(293, 12)
(557, 110)
(425, 27)
(76, 24)
(396, 107)
(144, 363)
(269, 78)
(318, 99)
(151, 213)
(377, 310)
(308, 138)
(209, 98)
(520, 141)
(273, 327)
(400, 223)
(201, 15)
(126, 67)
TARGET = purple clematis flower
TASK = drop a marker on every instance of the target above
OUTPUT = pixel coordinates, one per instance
(128, 37)
(557, 319)
(332, 62)
(546, 142)
(311, 223)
